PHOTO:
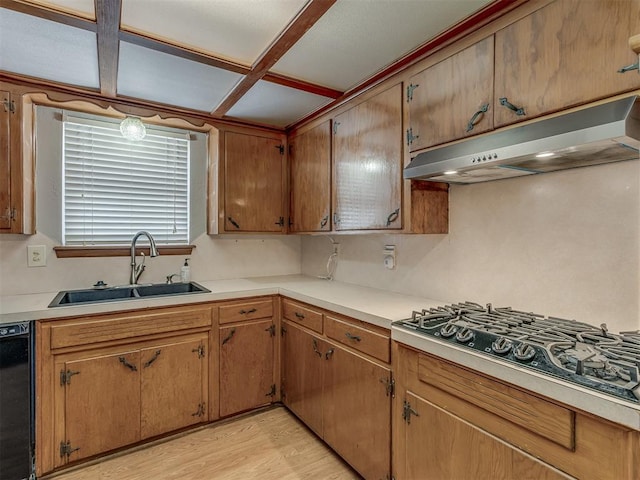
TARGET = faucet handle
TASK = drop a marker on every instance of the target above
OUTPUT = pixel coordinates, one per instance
(170, 277)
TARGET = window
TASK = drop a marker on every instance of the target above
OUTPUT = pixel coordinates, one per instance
(113, 187)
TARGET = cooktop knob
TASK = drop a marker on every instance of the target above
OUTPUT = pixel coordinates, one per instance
(448, 330)
(501, 345)
(464, 335)
(524, 352)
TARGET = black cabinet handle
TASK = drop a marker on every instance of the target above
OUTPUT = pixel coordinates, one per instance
(315, 347)
(518, 110)
(280, 222)
(630, 68)
(233, 222)
(152, 359)
(247, 312)
(299, 316)
(130, 366)
(329, 353)
(472, 121)
(230, 336)
(393, 216)
(350, 336)
(324, 221)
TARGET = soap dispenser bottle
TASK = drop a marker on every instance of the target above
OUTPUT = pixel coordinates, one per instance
(185, 271)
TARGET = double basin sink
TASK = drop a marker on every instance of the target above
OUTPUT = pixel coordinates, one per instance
(128, 292)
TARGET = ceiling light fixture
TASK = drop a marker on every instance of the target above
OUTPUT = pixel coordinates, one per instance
(132, 128)
(545, 155)
(450, 172)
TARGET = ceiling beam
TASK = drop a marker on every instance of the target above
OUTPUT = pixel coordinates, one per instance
(108, 21)
(308, 16)
(302, 85)
(49, 14)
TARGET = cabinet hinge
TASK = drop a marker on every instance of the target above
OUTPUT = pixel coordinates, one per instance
(66, 450)
(199, 351)
(410, 136)
(271, 329)
(407, 411)
(280, 149)
(283, 330)
(200, 411)
(389, 386)
(271, 393)
(410, 88)
(335, 127)
(280, 222)
(12, 214)
(65, 377)
(9, 105)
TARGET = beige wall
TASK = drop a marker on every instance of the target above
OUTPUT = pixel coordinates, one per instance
(213, 258)
(563, 244)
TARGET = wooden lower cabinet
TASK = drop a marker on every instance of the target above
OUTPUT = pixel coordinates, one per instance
(452, 423)
(341, 396)
(246, 366)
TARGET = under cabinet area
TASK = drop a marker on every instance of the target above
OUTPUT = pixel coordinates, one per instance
(500, 431)
(247, 338)
(109, 381)
(340, 392)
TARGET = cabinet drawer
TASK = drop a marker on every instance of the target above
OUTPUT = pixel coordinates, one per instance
(246, 311)
(117, 327)
(366, 341)
(303, 315)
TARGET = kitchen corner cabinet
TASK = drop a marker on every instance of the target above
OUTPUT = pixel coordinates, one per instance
(337, 386)
(452, 99)
(109, 381)
(247, 355)
(310, 180)
(540, 59)
(16, 214)
(495, 430)
(367, 164)
(253, 183)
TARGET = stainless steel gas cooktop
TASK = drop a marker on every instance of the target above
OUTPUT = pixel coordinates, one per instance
(572, 351)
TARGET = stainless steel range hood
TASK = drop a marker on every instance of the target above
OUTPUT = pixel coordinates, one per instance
(605, 133)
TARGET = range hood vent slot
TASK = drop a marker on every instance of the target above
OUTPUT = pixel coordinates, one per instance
(605, 133)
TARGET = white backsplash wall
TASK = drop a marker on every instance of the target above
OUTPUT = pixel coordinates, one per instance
(564, 244)
(213, 258)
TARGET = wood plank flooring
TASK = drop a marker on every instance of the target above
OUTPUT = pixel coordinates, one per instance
(269, 445)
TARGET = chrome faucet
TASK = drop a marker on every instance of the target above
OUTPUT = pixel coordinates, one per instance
(136, 270)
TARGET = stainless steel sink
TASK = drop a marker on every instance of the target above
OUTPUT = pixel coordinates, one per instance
(129, 292)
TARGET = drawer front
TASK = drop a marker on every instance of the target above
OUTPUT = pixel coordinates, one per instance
(303, 315)
(118, 327)
(248, 310)
(366, 341)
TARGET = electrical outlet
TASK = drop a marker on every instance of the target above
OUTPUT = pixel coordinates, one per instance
(389, 256)
(36, 256)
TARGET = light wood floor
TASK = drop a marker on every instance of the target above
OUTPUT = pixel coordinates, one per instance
(269, 445)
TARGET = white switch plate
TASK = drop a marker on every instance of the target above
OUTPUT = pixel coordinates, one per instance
(36, 256)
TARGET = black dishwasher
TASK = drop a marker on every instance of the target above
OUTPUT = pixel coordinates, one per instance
(16, 405)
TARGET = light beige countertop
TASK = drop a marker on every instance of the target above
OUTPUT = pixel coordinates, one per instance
(371, 305)
(375, 306)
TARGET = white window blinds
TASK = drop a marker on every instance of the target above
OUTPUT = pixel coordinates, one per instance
(114, 187)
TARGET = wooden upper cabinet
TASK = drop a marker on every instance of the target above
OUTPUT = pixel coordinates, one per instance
(5, 163)
(453, 98)
(310, 180)
(565, 54)
(367, 164)
(253, 183)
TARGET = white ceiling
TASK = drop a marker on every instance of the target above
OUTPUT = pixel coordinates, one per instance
(347, 45)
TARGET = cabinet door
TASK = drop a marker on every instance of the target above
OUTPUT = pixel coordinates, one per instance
(253, 183)
(102, 403)
(357, 412)
(5, 161)
(564, 54)
(174, 386)
(457, 449)
(367, 160)
(311, 180)
(452, 99)
(302, 372)
(246, 366)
